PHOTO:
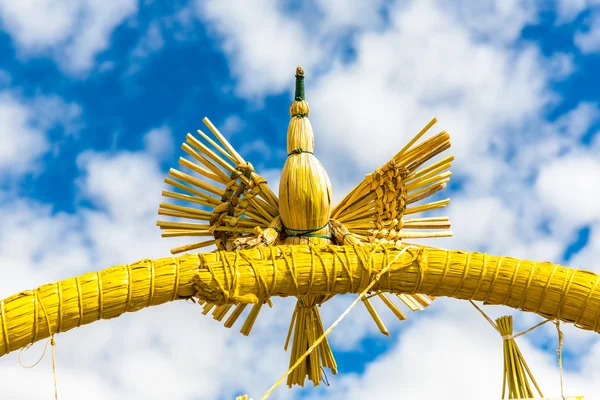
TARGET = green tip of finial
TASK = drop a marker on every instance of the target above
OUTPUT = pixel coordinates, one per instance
(299, 84)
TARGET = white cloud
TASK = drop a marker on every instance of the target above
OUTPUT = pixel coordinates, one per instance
(256, 147)
(151, 42)
(577, 122)
(338, 17)
(264, 43)
(492, 20)
(5, 78)
(23, 131)
(127, 185)
(232, 125)
(569, 186)
(73, 32)
(159, 142)
(561, 65)
(22, 145)
(588, 41)
(158, 35)
(568, 10)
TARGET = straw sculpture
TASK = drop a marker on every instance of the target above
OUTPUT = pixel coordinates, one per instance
(247, 214)
(298, 244)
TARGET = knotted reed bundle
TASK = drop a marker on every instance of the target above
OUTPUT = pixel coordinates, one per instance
(517, 375)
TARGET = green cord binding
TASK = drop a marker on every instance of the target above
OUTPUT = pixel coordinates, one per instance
(346, 234)
(309, 233)
(299, 151)
(299, 84)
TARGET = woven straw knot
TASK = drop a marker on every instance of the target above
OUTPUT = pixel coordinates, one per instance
(246, 168)
(258, 180)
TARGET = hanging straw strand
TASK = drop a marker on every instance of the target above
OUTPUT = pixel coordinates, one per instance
(337, 321)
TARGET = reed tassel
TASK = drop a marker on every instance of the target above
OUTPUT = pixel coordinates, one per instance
(517, 375)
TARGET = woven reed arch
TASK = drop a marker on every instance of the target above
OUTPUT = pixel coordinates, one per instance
(298, 244)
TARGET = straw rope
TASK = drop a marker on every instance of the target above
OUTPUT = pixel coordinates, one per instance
(320, 270)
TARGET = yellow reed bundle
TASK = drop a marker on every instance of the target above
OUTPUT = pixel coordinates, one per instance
(517, 376)
(304, 207)
(304, 188)
(221, 189)
(549, 290)
(306, 327)
(374, 210)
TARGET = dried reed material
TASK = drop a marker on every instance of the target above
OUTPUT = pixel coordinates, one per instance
(305, 205)
(227, 193)
(305, 328)
(547, 289)
(304, 188)
(517, 376)
(382, 198)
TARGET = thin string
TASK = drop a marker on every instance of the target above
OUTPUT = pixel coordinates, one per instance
(444, 273)
(587, 301)
(176, 283)
(520, 306)
(100, 297)
(152, 279)
(421, 262)
(483, 266)
(512, 282)
(292, 270)
(60, 301)
(491, 287)
(543, 296)
(340, 318)
(464, 275)
(495, 326)
(80, 298)
(561, 338)
(50, 341)
(129, 287)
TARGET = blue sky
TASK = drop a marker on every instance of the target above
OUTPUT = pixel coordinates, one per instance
(96, 98)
